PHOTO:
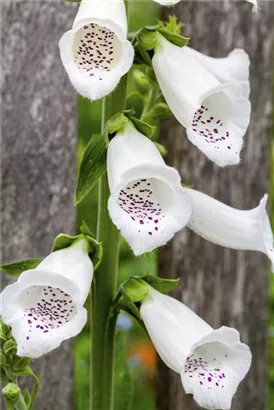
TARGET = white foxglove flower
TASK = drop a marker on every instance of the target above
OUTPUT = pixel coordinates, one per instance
(255, 5)
(167, 2)
(211, 362)
(147, 202)
(230, 227)
(45, 305)
(96, 52)
(208, 99)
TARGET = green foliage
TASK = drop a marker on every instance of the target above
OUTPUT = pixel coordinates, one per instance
(12, 367)
(16, 268)
(92, 167)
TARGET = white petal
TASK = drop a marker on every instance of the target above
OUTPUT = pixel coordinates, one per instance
(172, 327)
(147, 202)
(214, 368)
(230, 227)
(219, 124)
(43, 308)
(234, 67)
(73, 263)
(96, 53)
(215, 113)
(167, 2)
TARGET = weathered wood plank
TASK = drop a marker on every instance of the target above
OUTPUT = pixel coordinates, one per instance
(224, 286)
(39, 133)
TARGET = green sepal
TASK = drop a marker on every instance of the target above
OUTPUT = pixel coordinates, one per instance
(16, 268)
(93, 166)
(135, 289)
(63, 241)
(143, 127)
(161, 284)
(147, 38)
(173, 24)
(175, 39)
(160, 148)
(116, 122)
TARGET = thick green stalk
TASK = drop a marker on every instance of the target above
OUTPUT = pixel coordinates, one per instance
(105, 281)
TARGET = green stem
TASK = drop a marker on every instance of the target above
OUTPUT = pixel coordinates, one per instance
(105, 283)
(20, 404)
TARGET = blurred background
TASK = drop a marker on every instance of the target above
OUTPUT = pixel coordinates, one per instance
(39, 165)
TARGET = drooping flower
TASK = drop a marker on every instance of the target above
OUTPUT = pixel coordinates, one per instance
(45, 305)
(255, 5)
(167, 2)
(230, 227)
(95, 52)
(147, 202)
(211, 362)
(207, 96)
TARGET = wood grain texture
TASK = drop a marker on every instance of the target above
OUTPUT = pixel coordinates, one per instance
(226, 287)
(39, 131)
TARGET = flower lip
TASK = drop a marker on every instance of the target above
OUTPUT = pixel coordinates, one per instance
(43, 308)
(218, 125)
(214, 368)
(149, 205)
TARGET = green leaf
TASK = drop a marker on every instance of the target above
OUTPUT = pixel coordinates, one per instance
(123, 385)
(160, 284)
(63, 241)
(143, 127)
(176, 39)
(92, 167)
(16, 268)
(115, 123)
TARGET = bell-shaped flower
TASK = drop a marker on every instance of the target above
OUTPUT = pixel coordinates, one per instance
(96, 52)
(207, 96)
(211, 362)
(147, 203)
(255, 5)
(45, 305)
(230, 227)
(167, 2)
